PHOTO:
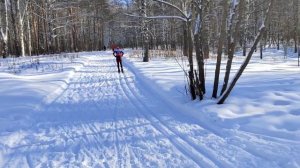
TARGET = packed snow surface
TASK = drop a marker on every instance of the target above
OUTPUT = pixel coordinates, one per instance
(76, 110)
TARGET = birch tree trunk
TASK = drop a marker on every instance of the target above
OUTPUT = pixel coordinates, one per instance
(220, 48)
(145, 32)
(29, 30)
(4, 30)
(200, 63)
(199, 48)
(15, 27)
(21, 27)
(232, 39)
(296, 24)
(190, 57)
(244, 65)
(185, 44)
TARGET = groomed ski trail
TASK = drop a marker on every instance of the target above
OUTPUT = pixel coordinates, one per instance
(107, 119)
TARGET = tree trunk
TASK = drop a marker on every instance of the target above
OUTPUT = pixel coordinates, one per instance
(145, 32)
(296, 18)
(190, 57)
(244, 47)
(45, 28)
(242, 68)
(232, 38)
(14, 24)
(29, 30)
(4, 33)
(278, 40)
(298, 55)
(185, 43)
(220, 49)
(21, 27)
(261, 51)
(200, 63)
(296, 50)
(36, 29)
(244, 65)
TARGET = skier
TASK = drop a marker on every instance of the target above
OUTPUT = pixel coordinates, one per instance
(118, 53)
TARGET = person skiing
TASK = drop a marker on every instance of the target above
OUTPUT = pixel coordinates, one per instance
(118, 53)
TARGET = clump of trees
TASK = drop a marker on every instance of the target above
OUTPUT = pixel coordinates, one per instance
(218, 27)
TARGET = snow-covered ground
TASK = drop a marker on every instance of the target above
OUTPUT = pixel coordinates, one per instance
(76, 110)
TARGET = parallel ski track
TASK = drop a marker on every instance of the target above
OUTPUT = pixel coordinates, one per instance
(181, 143)
(108, 75)
(120, 162)
(203, 156)
(178, 143)
(200, 148)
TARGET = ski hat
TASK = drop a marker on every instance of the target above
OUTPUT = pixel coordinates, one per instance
(118, 48)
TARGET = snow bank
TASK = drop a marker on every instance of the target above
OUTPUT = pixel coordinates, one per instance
(26, 85)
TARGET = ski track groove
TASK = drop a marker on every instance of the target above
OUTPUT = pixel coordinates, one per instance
(127, 151)
(115, 122)
(178, 142)
(90, 127)
(29, 162)
(255, 153)
(81, 76)
(94, 129)
(209, 154)
(134, 105)
(137, 114)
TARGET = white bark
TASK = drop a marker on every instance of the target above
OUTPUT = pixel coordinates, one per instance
(247, 59)
(4, 28)
(21, 28)
(29, 34)
(145, 32)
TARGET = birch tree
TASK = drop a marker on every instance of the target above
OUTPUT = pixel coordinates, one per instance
(220, 47)
(296, 24)
(185, 15)
(4, 29)
(232, 35)
(245, 63)
(21, 14)
(145, 31)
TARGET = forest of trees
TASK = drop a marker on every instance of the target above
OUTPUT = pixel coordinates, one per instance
(32, 27)
(203, 27)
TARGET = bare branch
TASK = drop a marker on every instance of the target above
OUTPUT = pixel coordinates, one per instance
(159, 17)
(173, 6)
